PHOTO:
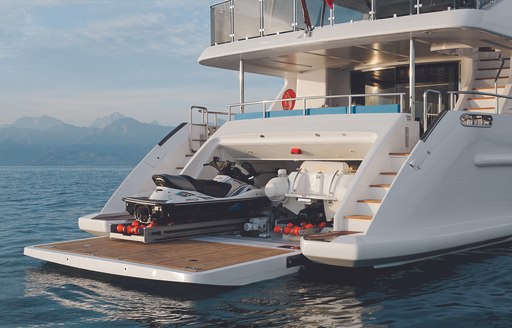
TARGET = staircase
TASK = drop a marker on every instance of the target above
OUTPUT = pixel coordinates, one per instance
(488, 67)
(368, 205)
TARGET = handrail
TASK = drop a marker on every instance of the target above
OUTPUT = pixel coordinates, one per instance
(425, 109)
(453, 93)
(304, 100)
(205, 123)
(497, 78)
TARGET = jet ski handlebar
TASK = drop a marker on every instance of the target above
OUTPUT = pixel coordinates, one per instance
(230, 169)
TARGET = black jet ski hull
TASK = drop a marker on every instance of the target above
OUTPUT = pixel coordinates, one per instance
(196, 211)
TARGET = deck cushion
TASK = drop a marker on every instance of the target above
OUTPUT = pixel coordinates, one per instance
(327, 110)
(376, 109)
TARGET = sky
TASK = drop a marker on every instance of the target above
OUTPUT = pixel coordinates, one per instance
(78, 60)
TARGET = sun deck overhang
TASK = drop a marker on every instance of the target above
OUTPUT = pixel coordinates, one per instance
(365, 44)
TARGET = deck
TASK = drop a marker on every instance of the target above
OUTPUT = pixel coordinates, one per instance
(185, 254)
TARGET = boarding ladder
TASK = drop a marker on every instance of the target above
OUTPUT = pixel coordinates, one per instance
(203, 123)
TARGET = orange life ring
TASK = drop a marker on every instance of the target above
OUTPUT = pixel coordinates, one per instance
(288, 104)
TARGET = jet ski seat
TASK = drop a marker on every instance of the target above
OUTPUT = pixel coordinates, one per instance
(187, 183)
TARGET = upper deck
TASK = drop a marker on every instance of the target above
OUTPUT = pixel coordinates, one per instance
(270, 36)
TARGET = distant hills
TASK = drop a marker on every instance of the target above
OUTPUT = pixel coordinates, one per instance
(111, 140)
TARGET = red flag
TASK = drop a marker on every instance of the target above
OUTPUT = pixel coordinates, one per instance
(329, 3)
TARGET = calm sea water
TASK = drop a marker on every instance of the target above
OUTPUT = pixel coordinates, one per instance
(39, 205)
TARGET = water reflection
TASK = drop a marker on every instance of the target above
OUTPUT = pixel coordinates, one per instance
(290, 301)
(111, 298)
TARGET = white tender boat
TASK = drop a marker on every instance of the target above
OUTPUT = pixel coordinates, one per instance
(390, 142)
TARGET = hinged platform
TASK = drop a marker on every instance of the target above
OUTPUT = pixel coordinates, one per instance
(210, 261)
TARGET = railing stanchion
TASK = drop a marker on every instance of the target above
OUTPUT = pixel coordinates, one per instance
(294, 23)
(425, 106)
(372, 10)
(232, 20)
(262, 22)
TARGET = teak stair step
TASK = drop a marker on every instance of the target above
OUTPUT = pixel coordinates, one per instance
(399, 154)
(482, 98)
(359, 217)
(380, 185)
(481, 108)
(388, 173)
(489, 88)
(370, 201)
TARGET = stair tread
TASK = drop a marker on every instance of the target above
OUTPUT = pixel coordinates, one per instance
(399, 154)
(487, 88)
(388, 173)
(381, 185)
(370, 201)
(359, 217)
(483, 98)
(480, 108)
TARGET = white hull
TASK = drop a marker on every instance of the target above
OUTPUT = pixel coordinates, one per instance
(452, 193)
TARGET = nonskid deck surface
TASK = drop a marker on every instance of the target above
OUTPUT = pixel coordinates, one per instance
(184, 254)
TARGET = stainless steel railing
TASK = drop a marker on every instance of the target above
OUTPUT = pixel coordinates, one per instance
(233, 20)
(304, 100)
(203, 126)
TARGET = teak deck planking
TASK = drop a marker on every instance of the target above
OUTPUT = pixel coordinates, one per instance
(184, 254)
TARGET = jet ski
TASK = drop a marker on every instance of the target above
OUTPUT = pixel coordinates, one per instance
(180, 199)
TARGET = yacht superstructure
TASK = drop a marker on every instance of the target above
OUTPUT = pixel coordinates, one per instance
(389, 142)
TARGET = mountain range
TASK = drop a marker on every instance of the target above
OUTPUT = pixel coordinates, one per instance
(110, 140)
